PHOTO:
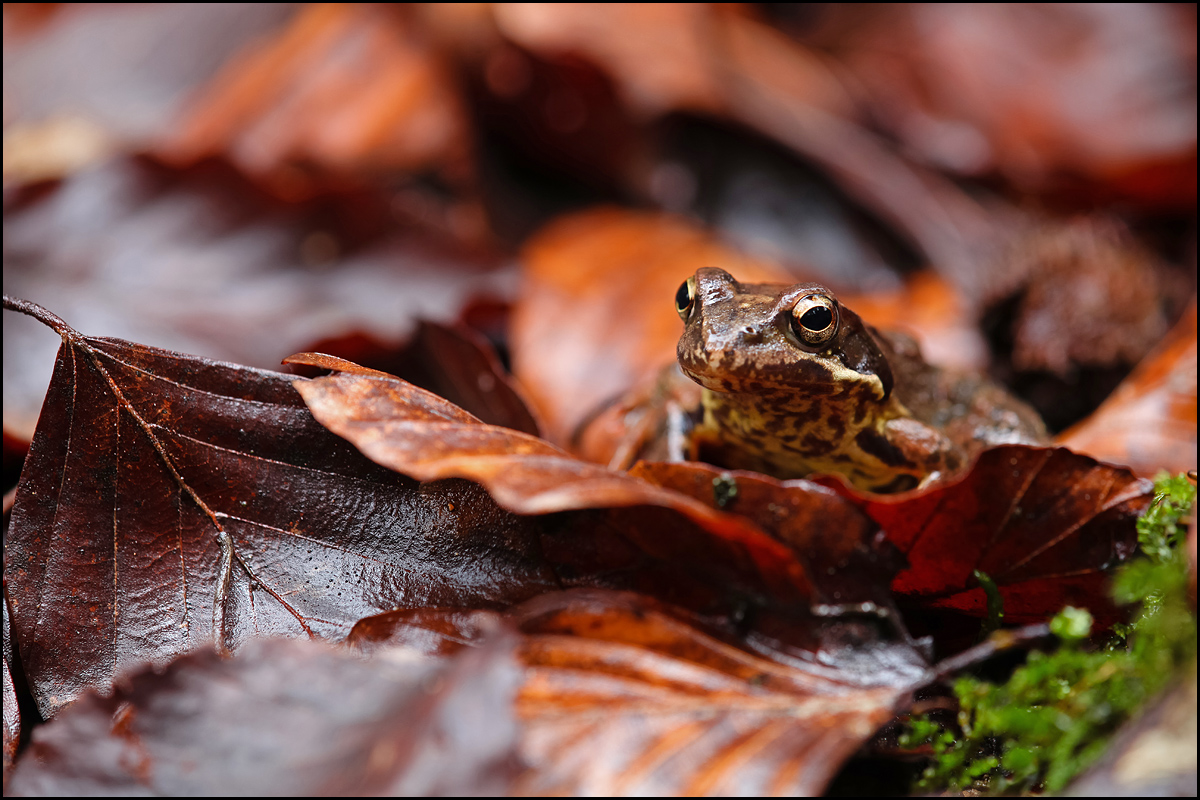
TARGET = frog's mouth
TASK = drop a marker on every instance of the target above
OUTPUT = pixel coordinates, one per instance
(806, 379)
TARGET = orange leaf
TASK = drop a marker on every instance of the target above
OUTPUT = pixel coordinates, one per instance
(1149, 422)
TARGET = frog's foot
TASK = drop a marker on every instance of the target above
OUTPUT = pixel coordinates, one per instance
(931, 455)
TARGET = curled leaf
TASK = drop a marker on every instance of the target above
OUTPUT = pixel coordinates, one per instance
(419, 434)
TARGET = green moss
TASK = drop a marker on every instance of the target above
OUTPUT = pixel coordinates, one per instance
(1055, 714)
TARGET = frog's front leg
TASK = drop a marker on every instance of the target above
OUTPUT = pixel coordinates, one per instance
(931, 454)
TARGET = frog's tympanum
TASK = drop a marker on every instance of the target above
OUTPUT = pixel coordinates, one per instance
(796, 383)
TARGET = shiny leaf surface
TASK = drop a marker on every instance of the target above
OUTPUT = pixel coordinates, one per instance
(171, 502)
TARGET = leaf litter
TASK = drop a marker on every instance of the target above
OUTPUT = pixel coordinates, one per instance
(195, 505)
(682, 581)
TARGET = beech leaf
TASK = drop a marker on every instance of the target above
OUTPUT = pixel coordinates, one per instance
(170, 502)
(624, 695)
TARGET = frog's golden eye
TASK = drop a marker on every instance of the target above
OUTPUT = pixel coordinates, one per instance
(685, 296)
(815, 320)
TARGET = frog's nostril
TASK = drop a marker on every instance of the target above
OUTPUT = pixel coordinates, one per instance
(750, 334)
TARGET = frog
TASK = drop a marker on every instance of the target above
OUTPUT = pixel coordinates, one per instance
(795, 383)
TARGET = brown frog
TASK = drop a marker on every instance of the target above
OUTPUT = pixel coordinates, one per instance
(796, 383)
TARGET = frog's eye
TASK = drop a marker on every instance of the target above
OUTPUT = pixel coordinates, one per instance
(815, 320)
(685, 297)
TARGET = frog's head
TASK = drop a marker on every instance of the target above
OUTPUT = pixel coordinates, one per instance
(767, 339)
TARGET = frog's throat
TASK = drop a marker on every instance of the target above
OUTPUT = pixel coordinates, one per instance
(795, 435)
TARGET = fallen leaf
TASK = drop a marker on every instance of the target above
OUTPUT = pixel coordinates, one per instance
(11, 709)
(430, 631)
(170, 502)
(203, 261)
(623, 695)
(456, 363)
(623, 699)
(1045, 524)
(659, 61)
(124, 73)
(1083, 99)
(840, 548)
(287, 717)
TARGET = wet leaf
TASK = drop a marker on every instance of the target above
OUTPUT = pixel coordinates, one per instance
(170, 502)
(11, 731)
(1043, 523)
(621, 39)
(840, 548)
(458, 364)
(287, 717)
(112, 78)
(622, 698)
(1089, 297)
(430, 631)
(724, 63)
(627, 696)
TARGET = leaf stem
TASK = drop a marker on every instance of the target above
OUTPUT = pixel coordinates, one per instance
(43, 316)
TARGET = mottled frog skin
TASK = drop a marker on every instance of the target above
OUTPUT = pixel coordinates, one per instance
(795, 383)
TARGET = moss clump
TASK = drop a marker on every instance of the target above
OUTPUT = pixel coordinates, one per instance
(1055, 714)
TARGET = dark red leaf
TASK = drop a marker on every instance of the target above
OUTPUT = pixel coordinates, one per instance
(170, 502)
(1044, 523)
(12, 713)
(463, 368)
(838, 546)
(204, 261)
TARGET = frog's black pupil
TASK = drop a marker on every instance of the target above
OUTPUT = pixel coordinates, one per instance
(683, 298)
(817, 319)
